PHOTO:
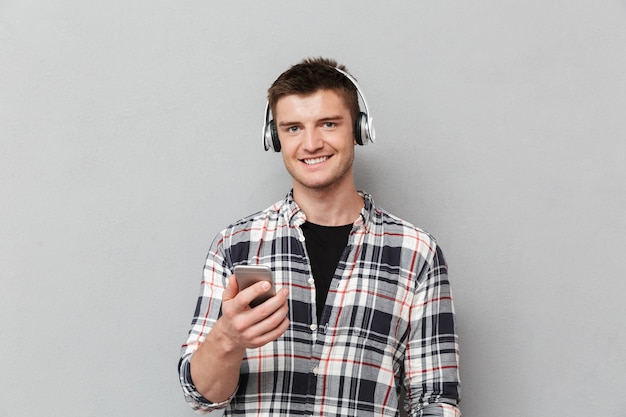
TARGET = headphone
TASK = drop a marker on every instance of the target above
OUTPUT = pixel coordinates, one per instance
(363, 125)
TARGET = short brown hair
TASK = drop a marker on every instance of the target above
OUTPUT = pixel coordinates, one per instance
(311, 75)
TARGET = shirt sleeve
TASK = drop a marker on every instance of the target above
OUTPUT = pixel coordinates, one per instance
(432, 357)
(208, 310)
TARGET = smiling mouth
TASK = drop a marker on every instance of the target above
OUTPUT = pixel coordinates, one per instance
(314, 161)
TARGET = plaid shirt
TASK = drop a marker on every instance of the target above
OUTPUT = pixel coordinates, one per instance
(388, 323)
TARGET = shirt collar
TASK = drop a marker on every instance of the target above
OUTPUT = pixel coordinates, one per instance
(295, 216)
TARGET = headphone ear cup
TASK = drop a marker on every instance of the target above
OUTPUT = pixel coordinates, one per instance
(267, 136)
(270, 137)
(274, 136)
(361, 131)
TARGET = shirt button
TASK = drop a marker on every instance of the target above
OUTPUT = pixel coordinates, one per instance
(316, 370)
(311, 281)
(313, 327)
(301, 238)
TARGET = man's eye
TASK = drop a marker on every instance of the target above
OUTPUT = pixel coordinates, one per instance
(330, 124)
(292, 129)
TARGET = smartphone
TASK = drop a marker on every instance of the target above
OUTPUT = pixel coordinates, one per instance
(247, 275)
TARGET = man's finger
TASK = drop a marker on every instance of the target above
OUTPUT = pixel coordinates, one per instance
(231, 289)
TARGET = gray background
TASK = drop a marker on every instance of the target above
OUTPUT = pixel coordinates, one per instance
(130, 135)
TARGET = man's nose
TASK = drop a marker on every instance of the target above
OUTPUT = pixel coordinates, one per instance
(313, 140)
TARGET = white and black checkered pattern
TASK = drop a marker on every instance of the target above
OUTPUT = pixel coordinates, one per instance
(388, 321)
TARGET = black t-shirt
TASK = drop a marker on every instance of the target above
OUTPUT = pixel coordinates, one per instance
(324, 244)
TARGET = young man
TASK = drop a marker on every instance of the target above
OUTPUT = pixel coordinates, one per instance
(363, 308)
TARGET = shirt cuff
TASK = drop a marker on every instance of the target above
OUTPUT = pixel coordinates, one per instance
(193, 396)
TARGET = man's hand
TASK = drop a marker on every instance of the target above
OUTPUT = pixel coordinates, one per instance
(247, 327)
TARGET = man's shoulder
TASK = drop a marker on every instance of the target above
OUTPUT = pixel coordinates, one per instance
(395, 227)
(391, 221)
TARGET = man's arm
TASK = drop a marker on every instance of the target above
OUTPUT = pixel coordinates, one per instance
(432, 371)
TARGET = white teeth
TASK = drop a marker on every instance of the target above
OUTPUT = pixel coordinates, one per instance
(315, 160)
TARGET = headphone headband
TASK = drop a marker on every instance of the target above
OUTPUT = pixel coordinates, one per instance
(363, 130)
(358, 89)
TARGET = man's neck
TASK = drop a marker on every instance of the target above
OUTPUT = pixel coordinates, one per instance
(329, 207)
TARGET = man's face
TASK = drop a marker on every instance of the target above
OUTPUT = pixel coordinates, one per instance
(317, 140)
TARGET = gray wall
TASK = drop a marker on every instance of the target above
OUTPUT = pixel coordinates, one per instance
(130, 135)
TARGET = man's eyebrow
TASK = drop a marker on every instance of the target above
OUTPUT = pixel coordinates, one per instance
(323, 119)
(286, 123)
(331, 118)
